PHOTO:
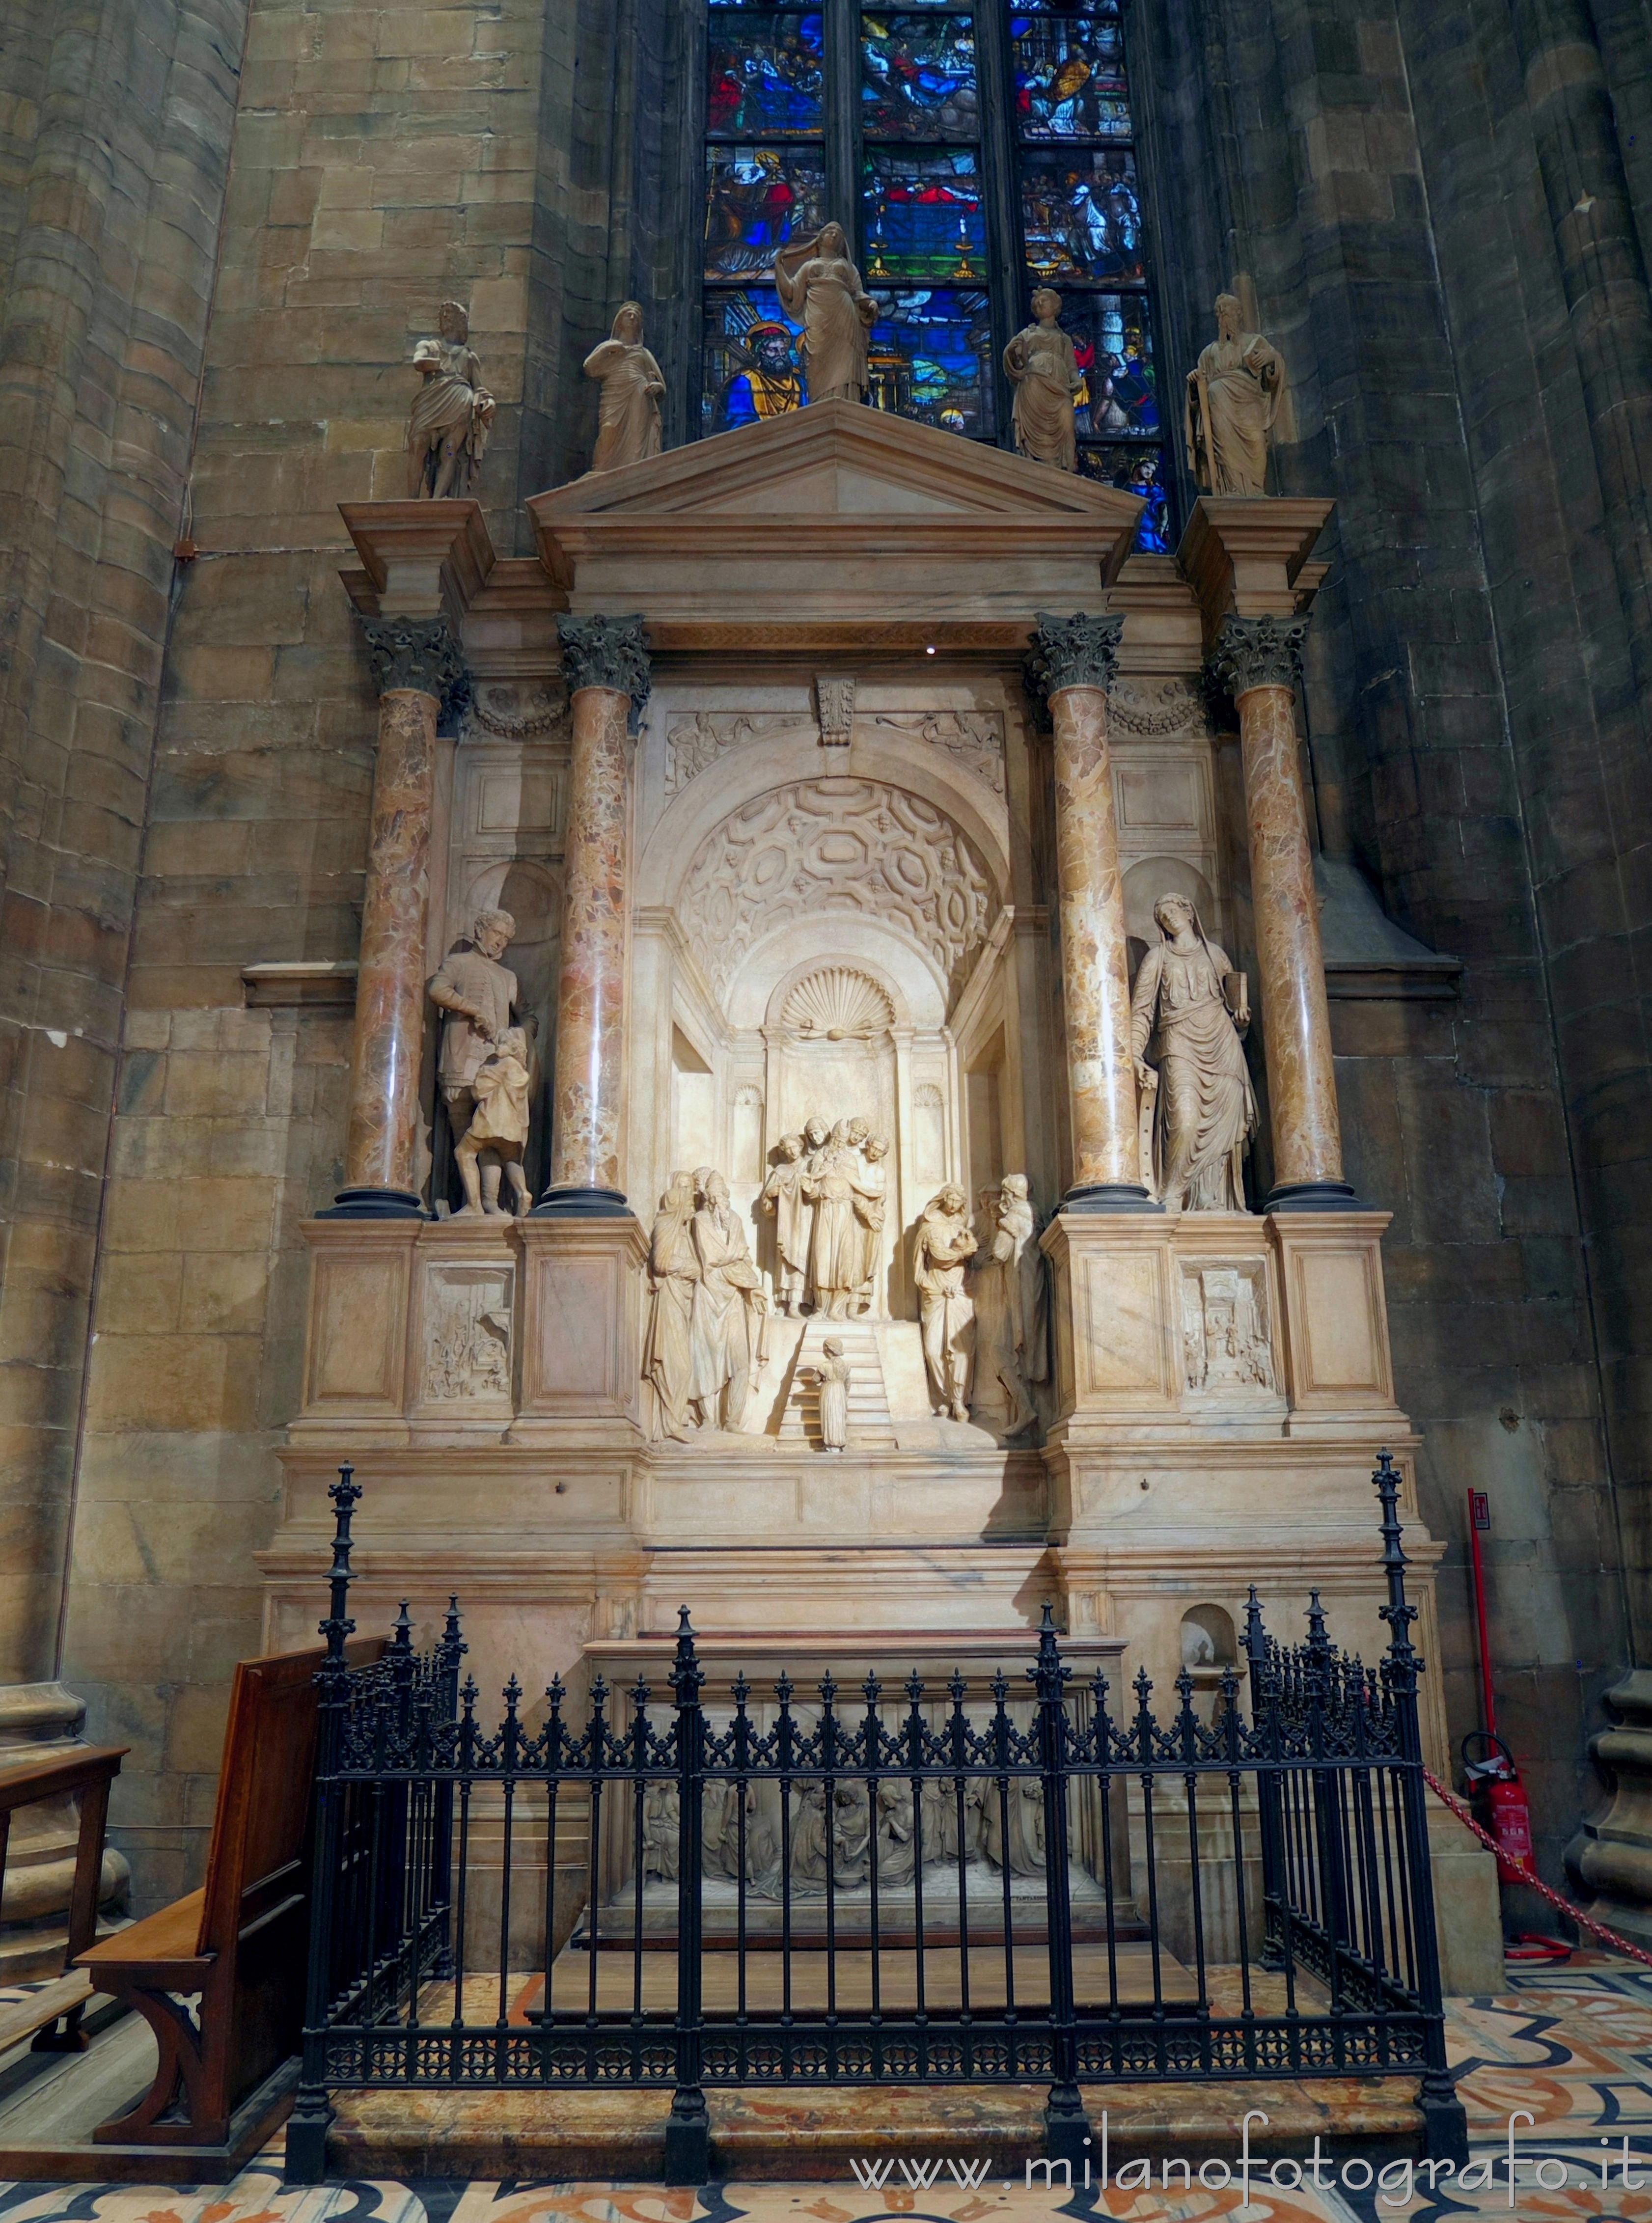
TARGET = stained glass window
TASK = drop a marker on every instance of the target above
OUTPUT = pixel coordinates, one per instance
(906, 117)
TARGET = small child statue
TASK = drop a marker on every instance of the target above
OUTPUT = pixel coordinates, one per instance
(834, 1379)
(498, 1131)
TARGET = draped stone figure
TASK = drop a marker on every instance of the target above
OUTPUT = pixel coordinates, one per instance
(784, 1201)
(627, 424)
(1029, 1290)
(1239, 400)
(836, 1246)
(447, 432)
(1207, 1107)
(1045, 370)
(719, 1330)
(832, 1377)
(821, 288)
(872, 1209)
(497, 1137)
(995, 1286)
(673, 1275)
(944, 1244)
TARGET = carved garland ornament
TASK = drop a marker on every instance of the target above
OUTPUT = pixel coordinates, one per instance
(1157, 709)
(511, 713)
(848, 846)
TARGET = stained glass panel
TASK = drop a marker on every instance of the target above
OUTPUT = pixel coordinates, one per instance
(751, 363)
(1113, 345)
(766, 75)
(1069, 77)
(930, 357)
(924, 214)
(1140, 471)
(1081, 213)
(756, 198)
(917, 77)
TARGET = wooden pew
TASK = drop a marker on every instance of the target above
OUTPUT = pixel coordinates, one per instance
(54, 2011)
(242, 1941)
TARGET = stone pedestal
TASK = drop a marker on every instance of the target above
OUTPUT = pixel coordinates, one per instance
(1612, 1856)
(582, 1329)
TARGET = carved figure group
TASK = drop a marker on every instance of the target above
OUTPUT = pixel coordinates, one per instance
(827, 1196)
(706, 1309)
(485, 1069)
(1237, 403)
(1188, 999)
(452, 413)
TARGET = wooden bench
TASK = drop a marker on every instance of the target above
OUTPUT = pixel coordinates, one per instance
(242, 1941)
(53, 2012)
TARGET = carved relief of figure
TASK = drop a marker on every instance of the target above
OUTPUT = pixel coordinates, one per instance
(497, 1135)
(721, 1326)
(821, 288)
(1041, 362)
(944, 1242)
(833, 1376)
(872, 1209)
(479, 996)
(783, 1200)
(1188, 992)
(673, 1276)
(1239, 400)
(995, 1286)
(447, 432)
(1012, 1833)
(661, 1808)
(628, 413)
(836, 1248)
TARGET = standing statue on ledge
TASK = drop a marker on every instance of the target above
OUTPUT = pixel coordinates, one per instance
(1011, 1314)
(1044, 369)
(1188, 992)
(447, 432)
(629, 414)
(727, 1294)
(821, 288)
(837, 1240)
(944, 1244)
(673, 1276)
(478, 995)
(783, 1200)
(833, 1378)
(1238, 399)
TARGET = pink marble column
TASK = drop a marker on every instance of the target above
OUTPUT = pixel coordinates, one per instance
(1075, 659)
(605, 662)
(1260, 658)
(416, 661)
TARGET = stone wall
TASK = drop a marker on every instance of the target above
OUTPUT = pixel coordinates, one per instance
(1344, 161)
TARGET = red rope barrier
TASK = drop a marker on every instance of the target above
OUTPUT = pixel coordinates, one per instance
(1595, 1928)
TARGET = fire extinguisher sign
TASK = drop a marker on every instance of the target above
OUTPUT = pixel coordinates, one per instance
(1480, 1510)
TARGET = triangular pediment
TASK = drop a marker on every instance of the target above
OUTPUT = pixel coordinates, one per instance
(835, 509)
(835, 459)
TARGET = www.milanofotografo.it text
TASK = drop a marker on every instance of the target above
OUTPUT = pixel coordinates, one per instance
(1397, 2182)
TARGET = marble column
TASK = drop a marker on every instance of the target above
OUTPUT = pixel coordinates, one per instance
(1073, 662)
(605, 663)
(1260, 660)
(416, 662)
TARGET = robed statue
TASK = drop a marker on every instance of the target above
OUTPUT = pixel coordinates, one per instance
(821, 288)
(1041, 363)
(1189, 998)
(1239, 403)
(627, 424)
(452, 411)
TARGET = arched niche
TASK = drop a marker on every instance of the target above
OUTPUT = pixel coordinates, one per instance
(1148, 879)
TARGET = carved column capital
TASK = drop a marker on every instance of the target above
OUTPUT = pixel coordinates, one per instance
(1259, 652)
(610, 652)
(418, 653)
(1076, 651)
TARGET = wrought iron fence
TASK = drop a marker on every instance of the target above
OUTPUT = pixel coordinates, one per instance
(980, 1882)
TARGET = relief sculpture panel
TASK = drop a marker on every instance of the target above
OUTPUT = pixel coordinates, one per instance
(467, 1334)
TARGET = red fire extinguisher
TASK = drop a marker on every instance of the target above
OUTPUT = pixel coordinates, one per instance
(1495, 1781)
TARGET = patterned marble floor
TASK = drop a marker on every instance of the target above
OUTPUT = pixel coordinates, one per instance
(1571, 2047)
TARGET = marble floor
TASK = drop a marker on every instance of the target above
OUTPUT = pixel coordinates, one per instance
(1570, 2046)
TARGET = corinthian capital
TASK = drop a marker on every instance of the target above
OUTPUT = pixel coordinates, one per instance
(609, 653)
(1076, 651)
(1259, 652)
(419, 653)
